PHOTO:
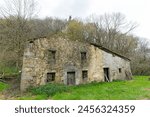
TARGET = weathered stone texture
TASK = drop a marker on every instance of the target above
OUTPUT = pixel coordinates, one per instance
(68, 59)
(96, 64)
(114, 63)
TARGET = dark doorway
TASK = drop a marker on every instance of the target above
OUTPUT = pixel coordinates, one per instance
(70, 78)
(84, 75)
(106, 75)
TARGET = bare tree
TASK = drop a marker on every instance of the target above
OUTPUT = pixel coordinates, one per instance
(16, 29)
(113, 31)
(21, 8)
(47, 26)
(141, 58)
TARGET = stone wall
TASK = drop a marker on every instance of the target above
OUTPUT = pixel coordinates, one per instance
(96, 64)
(114, 63)
(68, 59)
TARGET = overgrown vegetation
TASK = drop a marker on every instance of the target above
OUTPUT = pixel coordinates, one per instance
(8, 70)
(49, 89)
(136, 89)
(113, 31)
(3, 86)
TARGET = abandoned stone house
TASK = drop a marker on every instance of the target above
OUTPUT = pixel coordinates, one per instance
(70, 62)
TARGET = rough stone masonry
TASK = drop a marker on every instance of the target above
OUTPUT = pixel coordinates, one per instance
(59, 60)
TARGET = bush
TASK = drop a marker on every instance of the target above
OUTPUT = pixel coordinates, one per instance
(8, 70)
(3, 86)
(49, 89)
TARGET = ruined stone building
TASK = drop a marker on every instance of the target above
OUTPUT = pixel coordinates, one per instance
(71, 63)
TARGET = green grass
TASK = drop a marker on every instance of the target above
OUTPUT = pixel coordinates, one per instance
(8, 70)
(44, 91)
(3, 86)
(33, 97)
(49, 89)
(136, 89)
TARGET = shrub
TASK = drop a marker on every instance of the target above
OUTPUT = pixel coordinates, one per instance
(8, 70)
(3, 86)
(49, 89)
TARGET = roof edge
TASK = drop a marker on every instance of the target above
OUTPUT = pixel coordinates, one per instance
(94, 44)
(110, 51)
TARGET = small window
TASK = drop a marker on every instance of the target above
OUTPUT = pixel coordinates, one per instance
(50, 77)
(51, 56)
(119, 70)
(83, 56)
(84, 74)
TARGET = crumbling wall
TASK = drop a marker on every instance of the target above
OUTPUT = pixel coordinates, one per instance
(36, 63)
(68, 58)
(96, 64)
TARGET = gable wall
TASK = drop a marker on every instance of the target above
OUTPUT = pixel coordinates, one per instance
(114, 62)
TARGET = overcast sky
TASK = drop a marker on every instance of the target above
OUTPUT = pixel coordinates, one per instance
(134, 10)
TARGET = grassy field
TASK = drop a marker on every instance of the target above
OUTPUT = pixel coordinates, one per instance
(136, 89)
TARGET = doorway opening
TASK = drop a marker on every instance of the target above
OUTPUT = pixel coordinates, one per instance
(70, 78)
(106, 75)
